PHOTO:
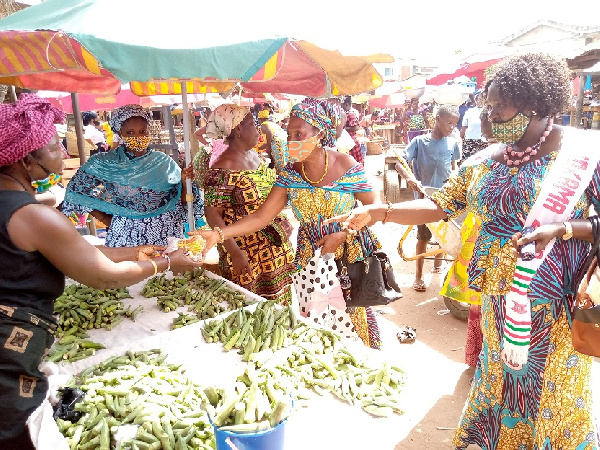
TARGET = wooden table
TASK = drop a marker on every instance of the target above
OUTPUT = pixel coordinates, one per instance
(386, 131)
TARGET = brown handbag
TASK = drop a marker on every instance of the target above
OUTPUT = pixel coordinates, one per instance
(585, 327)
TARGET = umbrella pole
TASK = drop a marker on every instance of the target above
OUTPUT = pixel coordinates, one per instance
(78, 128)
(188, 156)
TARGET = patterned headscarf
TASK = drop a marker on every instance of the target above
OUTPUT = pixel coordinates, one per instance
(224, 119)
(320, 114)
(25, 126)
(121, 114)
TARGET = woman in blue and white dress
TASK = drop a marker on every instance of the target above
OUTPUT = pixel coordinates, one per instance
(135, 191)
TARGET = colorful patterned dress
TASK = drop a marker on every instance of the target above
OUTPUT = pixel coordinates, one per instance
(313, 205)
(547, 404)
(269, 251)
(353, 120)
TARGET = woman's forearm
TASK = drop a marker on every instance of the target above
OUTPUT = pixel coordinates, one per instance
(214, 219)
(258, 220)
(102, 217)
(127, 273)
(119, 254)
(582, 229)
(248, 225)
(414, 212)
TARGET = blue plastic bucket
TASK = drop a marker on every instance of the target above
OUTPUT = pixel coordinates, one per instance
(271, 439)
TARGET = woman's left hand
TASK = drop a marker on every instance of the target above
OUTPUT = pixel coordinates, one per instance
(187, 172)
(542, 235)
(332, 242)
(147, 252)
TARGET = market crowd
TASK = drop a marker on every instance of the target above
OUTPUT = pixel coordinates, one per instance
(490, 157)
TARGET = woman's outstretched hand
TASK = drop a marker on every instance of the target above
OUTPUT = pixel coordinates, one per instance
(146, 252)
(180, 262)
(356, 219)
(542, 235)
(210, 236)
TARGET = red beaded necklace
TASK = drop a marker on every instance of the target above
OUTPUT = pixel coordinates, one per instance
(514, 158)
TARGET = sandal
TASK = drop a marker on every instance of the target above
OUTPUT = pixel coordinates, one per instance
(419, 286)
(406, 335)
(436, 269)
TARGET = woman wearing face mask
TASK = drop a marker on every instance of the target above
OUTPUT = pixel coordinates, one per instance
(38, 247)
(135, 191)
(235, 186)
(319, 184)
(531, 389)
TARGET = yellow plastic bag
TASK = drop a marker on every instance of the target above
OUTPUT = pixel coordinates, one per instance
(456, 285)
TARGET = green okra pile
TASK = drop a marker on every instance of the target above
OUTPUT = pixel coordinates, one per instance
(310, 365)
(81, 308)
(250, 332)
(205, 297)
(139, 389)
(72, 347)
(253, 405)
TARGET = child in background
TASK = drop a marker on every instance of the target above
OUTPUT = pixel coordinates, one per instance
(433, 156)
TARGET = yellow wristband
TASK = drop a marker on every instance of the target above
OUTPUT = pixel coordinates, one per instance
(154, 265)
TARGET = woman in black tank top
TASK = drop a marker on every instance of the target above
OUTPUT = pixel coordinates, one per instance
(38, 247)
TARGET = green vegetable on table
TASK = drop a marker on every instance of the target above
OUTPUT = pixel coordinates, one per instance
(204, 296)
(139, 389)
(81, 308)
(269, 326)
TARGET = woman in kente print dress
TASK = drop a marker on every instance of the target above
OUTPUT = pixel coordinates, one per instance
(546, 402)
(319, 184)
(235, 185)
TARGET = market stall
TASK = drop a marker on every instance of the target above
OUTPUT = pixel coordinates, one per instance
(325, 421)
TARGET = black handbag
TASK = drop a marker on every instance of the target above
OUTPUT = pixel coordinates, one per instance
(369, 282)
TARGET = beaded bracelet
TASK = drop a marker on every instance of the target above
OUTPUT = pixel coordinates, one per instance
(168, 261)
(222, 236)
(388, 212)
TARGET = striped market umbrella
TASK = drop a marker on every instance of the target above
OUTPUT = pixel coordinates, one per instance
(94, 46)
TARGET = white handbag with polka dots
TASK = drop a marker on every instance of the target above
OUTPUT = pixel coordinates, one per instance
(320, 296)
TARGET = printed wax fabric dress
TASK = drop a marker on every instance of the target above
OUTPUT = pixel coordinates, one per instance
(269, 251)
(547, 404)
(312, 206)
(353, 120)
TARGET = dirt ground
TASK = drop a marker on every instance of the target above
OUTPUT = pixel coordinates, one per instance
(441, 332)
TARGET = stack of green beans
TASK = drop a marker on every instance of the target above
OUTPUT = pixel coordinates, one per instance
(139, 388)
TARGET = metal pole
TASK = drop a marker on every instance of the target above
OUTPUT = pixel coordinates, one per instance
(579, 103)
(78, 128)
(188, 156)
(168, 119)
